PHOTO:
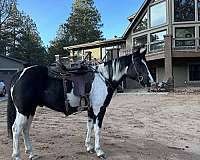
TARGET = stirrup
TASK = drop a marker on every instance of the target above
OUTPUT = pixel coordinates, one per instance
(81, 109)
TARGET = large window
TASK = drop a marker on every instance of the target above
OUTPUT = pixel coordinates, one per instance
(194, 72)
(143, 24)
(138, 41)
(185, 36)
(157, 40)
(158, 14)
(184, 10)
(198, 5)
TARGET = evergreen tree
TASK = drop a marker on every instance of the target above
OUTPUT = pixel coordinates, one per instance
(19, 37)
(82, 26)
(84, 22)
(13, 29)
(29, 46)
(5, 13)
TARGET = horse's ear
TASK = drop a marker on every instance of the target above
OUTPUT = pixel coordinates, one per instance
(143, 52)
(136, 52)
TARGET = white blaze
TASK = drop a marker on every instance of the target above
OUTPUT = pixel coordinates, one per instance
(149, 74)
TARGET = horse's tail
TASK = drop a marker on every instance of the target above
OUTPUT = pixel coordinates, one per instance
(11, 114)
(11, 110)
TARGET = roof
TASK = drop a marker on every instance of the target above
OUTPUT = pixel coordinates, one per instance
(96, 44)
(14, 59)
(130, 18)
(136, 17)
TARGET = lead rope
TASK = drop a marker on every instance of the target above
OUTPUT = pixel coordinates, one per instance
(103, 78)
(65, 96)
(139, 77)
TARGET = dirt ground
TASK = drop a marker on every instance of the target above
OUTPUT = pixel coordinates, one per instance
(136, 127)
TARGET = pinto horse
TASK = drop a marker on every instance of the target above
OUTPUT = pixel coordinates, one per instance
(33, 87)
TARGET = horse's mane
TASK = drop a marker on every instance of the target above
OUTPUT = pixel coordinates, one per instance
(121, 59)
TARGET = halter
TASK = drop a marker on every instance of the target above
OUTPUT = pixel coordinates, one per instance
(102, 77)
(139, 77)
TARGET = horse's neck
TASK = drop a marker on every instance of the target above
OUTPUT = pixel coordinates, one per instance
(113, 71)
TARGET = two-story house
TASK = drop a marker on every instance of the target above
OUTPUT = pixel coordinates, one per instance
(170, 29)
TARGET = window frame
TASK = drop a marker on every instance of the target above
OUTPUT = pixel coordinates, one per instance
(149, 11)
(149, 28)
(157, 41)
(185, 22)
(146, 34)
(146, 13)
(185, 26)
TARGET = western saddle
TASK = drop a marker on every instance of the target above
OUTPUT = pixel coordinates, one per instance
(82, 75)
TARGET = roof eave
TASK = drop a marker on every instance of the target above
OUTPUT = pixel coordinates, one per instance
(14, 59)
(135, 17)
(95, 44)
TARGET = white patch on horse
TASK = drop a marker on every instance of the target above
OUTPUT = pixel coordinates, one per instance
(142, 50)
(25, 69)
(117, 75)
(103, 70)
(28, 146)
(149, 74)
(97, 132)
(98, 93)
(88, 143)
(17, 127)
(72, 99)
(21, 123)
(11, 92)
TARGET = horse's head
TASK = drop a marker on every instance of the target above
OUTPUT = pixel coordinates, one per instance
(138, 69)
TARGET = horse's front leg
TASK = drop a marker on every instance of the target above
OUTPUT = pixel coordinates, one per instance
(28, 146)
(97, 131)
(88, 143)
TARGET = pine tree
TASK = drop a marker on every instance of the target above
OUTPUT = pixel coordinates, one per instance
(84, 22)
(5, 13)
(13, 29)
(29, 46)
(82, 26)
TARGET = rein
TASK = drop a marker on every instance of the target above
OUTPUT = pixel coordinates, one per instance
(103, 78)
(139, 77)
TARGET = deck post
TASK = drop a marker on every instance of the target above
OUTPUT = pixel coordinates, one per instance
(168, 62)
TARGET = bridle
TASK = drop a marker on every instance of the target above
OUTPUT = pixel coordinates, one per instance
(102, 77)
(140, 78)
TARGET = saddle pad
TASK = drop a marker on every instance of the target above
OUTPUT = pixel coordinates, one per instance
(82, 83)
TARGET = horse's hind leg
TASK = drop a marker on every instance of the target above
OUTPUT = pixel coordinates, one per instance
(28, 146)
(88, 143)
(17, 127)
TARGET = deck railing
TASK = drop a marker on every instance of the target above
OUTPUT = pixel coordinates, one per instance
(186, 44)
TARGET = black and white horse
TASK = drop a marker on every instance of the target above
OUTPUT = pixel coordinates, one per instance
(33, 87)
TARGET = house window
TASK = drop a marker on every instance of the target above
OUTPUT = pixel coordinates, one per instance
(199, 36)
(157, 40)
(184, 10)
(198, 5)
(194, 72)
(143, 24)
(185, 36)
(139, 41)
(158, 14)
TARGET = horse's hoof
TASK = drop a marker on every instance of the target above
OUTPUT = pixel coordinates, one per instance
(103, 157)
(34, 157)
(91, 151)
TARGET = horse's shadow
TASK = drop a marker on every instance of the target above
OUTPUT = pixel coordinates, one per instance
(145, 149)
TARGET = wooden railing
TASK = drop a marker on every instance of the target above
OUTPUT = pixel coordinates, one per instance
(194, 44)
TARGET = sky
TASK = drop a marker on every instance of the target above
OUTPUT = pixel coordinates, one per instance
(49, 14)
